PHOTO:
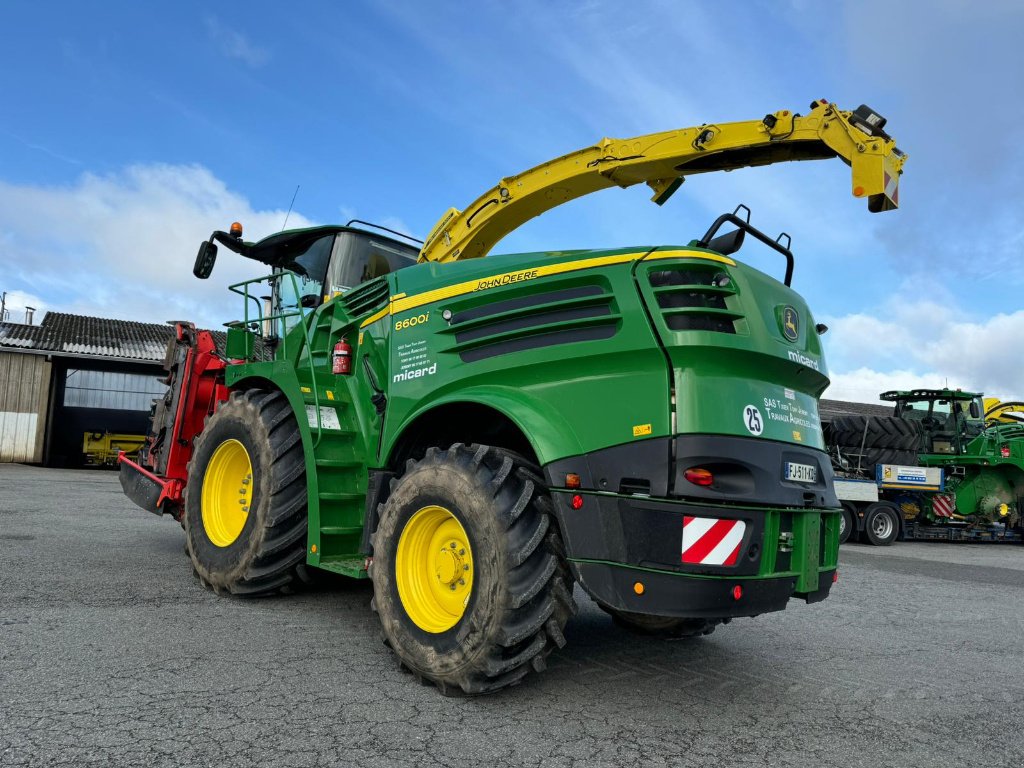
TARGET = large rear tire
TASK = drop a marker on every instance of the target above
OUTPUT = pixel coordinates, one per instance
(245, 500)
(877, 439)
(469, 583)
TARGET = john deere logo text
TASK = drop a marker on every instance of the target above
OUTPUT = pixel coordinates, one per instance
(790, 323)
(409, 322)
(511, 277)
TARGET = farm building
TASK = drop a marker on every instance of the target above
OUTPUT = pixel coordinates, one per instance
(71, 376)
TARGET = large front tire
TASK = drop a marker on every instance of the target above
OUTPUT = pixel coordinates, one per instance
(245, 500)
(469, 584)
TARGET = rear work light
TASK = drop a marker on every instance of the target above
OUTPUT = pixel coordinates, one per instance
(699, 476)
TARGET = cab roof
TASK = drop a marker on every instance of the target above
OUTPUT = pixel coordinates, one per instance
(929, 394)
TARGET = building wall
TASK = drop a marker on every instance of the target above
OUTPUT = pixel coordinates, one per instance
(24, 401)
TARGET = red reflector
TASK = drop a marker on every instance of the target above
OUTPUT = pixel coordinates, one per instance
(1005, 451)
(699, 476)
(577, 501)
(737, 592)
(835, 576)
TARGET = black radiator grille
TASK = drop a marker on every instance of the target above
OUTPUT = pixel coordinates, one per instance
(564, 316)
(366, 297)
(693, 298)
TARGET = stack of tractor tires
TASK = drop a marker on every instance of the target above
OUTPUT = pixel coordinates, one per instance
(871, 440)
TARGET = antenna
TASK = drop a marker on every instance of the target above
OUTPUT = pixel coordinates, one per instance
(292, 203)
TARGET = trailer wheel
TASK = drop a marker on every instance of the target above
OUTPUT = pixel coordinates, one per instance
(847, 523)
(245, 500)
(881, 524)
(468, 580)
(661, 626)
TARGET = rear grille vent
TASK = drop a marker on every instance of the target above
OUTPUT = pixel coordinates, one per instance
(366, 297)
(695, 299)
(567, 316)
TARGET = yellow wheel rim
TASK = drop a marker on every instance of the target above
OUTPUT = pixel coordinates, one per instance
(434, 569)
(227, 493)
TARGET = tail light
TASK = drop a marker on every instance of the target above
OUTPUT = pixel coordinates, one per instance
(699, 476)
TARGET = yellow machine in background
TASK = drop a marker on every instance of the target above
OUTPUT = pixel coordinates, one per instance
(998, 412)
(101, 448)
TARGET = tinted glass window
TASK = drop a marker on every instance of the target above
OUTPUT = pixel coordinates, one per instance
(360, 256)
(309, 268)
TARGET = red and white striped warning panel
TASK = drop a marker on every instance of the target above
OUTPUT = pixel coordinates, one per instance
(711, 540)
(892, 187)
(943, 505)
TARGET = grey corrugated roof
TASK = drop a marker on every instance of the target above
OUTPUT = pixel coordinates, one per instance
(92, 336)
(829, 409)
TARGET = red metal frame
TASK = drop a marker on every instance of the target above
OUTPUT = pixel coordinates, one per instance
(202, 390)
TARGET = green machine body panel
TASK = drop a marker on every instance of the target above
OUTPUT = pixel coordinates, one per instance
(597, 359)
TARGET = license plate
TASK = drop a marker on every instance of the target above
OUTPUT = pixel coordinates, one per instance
(801, 473)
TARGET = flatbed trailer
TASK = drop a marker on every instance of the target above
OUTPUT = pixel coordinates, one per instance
(875, 511)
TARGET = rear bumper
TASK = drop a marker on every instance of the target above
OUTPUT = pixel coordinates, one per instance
(690, 553)
(670, 594)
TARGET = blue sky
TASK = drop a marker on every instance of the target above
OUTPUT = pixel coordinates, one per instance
(131, 130)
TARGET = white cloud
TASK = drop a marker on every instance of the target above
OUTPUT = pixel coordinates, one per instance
(864, 385)
(234, 44)
(927, 343)
(122, 245)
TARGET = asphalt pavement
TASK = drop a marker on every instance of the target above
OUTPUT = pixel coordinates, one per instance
(112, 654)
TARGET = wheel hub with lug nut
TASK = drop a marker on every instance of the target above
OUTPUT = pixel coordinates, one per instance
(434, 569)
(227, 493)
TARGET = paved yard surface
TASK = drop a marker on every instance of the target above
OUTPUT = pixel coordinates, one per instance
(112, 654)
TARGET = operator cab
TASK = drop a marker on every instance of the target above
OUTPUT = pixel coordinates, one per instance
(313, 265)
(326, 264)
(950, 418)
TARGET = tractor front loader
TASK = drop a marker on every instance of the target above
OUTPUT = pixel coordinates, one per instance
(477, 435)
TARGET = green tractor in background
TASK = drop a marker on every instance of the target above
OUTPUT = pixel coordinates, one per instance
(975, 489)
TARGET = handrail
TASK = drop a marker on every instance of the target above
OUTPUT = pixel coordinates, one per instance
(306, 335)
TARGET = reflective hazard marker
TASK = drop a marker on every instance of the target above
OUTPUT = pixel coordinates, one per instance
(943, 506)
(712, 541)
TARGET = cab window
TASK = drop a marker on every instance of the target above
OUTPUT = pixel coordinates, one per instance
(359, 257)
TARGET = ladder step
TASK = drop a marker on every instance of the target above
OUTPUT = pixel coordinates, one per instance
(340, 530)
(338, 463)
(341, 496)
(347, 566)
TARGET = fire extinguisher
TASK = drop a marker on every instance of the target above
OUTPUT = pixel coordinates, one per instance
(342, 358)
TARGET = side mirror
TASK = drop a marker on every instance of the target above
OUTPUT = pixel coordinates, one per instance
(205, 259)
(975, 410)
(309, 301)
(728, 243)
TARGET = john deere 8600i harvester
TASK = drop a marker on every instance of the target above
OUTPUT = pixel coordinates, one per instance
(477, 434)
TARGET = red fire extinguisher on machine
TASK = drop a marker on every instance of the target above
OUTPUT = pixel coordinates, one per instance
(342, 358)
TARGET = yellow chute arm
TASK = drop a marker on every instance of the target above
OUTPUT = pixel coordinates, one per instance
(663, 160)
